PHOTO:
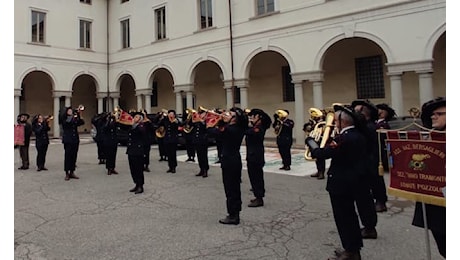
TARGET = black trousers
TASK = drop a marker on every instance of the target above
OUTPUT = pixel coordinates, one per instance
(161, 147)
(379, 190)
(346, 220)
(136, 167)
(24, 154)
(70, 156)
(190, 148)
(171, 153)
(110, 151)
(231, 176)
(147, 155)
(285, 152)
(100, 150)
(440, 238)
(41, 155)
(256, 177)
(202, 154)
(365, 205)
(320, 164)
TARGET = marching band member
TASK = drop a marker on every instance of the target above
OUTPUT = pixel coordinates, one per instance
(284, 137)
(316, 116)
(160, 140)
(232, 128)
(345, 178)
(189, 137)
(98, 121)
(171, 125)
(199, 140)
(149, 135)
(70, 121)
(24, 149)
(40, 127)
(110, 143)
(386, 113)
(135, 152)
(433, 117)
(259, 122)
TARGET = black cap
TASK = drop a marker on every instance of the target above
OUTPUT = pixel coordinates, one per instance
(429, 107)
(137, 113)
(347, 109)
(391, 112)
(264, 117)
(172, 110)
(368, 104)
(24, 114)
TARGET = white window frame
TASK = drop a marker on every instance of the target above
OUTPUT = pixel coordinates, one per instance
(87, 43)
(266, 11)
(125, 35)
(211, 9)
(85, 1)
(160, 31)
(37, 40)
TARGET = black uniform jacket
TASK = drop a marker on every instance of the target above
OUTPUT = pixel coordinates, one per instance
(285, 136)
(255, 144)
(348, 163)
(109, 133)
(41, 133)
(136, 141)
(171, 130)
(70, 129)
(199, 133)
(232, 136)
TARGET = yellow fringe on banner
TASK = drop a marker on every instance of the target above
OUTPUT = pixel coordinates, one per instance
(429, 199)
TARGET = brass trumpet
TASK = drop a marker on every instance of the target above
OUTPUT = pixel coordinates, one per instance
(187, 126)
(48, 118)
(211, 117)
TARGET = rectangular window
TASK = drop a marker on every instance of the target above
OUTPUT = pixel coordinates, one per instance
(125, 34)
(85, 34)
(85, 1)
(154, 96)
(369, 77)
(236, 95)
(160, 23)
(288, 86)
(38, 27)
(124, 1)
(265, 6)
(206, 13)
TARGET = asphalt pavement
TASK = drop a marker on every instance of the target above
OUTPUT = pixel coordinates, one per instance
(96, 217)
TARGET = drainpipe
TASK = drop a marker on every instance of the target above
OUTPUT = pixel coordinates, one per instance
(231, 49)
(107, 101)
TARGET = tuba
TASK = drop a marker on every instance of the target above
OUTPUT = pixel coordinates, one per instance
(321, 133)
(187, 126)
(278, 117)
(161, 131)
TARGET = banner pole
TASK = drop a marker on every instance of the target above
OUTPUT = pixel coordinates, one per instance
(427, 235)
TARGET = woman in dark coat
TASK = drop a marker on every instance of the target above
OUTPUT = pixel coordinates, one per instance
(40, 127)
(70, 121)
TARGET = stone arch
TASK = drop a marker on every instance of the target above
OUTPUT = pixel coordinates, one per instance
(194, 65)
(120, 76)
(81, 73)
(318, 63)
(152, 71)
(428, 52)
(32, 69)
(246, 65)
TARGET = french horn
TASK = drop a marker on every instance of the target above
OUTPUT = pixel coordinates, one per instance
(321, 132)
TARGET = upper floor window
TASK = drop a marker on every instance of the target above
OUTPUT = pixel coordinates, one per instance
(124, 1)
(160, 23)
(85, 34)
(38, 27)
(288, 86)
(369, 77)
(265, 6)
(205, 13)
(125, 34)
(85, 1)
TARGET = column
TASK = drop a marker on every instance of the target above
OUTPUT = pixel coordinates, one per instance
(67, 101)
(148, 103)
(189, 99)
(100, 105)
(139, 101)
(425, 84)
(17, 96)
(115, 96)
(228, 94)
(56, 129)
(179, 105)
(318, 94)
(243, 97)
(396, 93)
(299, 113)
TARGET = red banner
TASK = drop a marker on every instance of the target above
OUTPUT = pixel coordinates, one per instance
(19, 135)
(125, 118)
(418, 170)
